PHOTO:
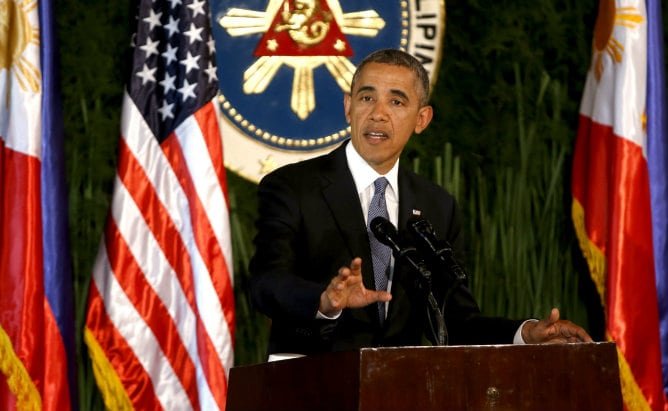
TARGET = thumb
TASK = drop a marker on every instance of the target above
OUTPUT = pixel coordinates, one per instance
(383, 296)
(554, 316)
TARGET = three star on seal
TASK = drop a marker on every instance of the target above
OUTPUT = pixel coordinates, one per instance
(302, 34)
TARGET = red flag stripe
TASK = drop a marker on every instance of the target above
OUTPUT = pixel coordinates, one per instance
(611, 207)
(168, 239)
(55, 398)
(210, 231)
(611, 190)
(166, 183)
(163, 282)
(151, 308)
(206, 257)
(205, 285)
(19, 190)
(157, 218)
(623, 193)
(165, 205)
(209, 120)
(22, 293)
(136, 382)
(139, 338)
(28, 319)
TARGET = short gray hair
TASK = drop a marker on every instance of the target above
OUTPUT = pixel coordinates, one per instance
(395, 57)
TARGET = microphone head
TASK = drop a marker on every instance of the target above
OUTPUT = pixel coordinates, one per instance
(421, 231)
(421, 226)
(384, 231)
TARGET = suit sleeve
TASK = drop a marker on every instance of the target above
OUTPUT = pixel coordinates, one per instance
(276, 289)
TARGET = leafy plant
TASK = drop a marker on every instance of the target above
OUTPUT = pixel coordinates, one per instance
(520, 254)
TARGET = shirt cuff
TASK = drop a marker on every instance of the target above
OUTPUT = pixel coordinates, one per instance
(321, 316)
(518, 334)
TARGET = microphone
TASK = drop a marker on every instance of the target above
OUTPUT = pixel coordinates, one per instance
(387, 234)
(423, 232)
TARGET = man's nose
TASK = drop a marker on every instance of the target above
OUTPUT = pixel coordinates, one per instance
(379, 112)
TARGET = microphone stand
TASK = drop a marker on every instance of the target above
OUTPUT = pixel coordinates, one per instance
(387, 234)
(441, 254)
(441, 334)
(456, 276)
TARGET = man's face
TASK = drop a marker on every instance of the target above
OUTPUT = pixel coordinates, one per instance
(383, 111)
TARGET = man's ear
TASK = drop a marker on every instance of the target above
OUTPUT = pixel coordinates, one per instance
(425, 114)
(346, 105)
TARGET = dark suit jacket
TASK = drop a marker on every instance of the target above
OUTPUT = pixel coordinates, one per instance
(310, 224)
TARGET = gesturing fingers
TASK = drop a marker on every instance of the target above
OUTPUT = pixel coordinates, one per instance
(356, 266)
(347, 290)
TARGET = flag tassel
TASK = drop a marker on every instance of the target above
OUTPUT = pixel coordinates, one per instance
(114, 395)
(18, 379)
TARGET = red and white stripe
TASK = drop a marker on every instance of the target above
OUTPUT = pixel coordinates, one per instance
(163, 276)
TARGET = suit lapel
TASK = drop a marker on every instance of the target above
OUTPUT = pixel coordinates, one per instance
(342, 199)
(399, 306)
(408, 200)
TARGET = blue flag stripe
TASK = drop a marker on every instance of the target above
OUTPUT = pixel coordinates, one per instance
(657, 159)
(57, 258)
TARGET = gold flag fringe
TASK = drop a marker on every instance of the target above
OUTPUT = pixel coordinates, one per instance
(113, 393)
(631, 392)
(19, 381)
(594, 256)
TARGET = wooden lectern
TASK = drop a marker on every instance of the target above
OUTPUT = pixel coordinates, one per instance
(559, 377)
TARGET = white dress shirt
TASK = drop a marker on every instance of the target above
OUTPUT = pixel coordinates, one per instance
(364, 176)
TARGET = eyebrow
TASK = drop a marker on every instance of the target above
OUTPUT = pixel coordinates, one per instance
(393, 91)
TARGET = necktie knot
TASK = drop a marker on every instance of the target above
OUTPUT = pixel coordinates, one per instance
(380, 185)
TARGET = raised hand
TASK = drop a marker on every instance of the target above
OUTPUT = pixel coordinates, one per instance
(347, 290)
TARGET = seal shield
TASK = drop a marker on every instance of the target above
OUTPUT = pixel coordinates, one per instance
(283, 66)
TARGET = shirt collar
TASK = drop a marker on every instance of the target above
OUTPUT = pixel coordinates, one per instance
(364, 175)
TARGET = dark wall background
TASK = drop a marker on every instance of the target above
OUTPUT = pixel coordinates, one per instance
(512, 72)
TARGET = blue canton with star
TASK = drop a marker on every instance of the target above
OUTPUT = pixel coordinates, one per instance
(173, 71)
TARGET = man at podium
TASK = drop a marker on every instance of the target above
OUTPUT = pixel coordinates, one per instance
(330, 268)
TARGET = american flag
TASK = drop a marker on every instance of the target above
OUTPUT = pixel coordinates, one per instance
(160, 322)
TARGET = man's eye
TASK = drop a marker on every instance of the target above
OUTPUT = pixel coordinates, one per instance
(366, 98)
(397, 102)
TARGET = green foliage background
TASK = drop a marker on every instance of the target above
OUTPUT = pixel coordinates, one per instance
(506, 102)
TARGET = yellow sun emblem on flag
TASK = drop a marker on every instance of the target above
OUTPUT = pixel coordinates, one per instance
(610, 16)
(16, 34)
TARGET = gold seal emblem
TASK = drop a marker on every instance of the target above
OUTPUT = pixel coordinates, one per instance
(283, 71)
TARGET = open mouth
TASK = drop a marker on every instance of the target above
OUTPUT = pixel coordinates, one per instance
(375, 135)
